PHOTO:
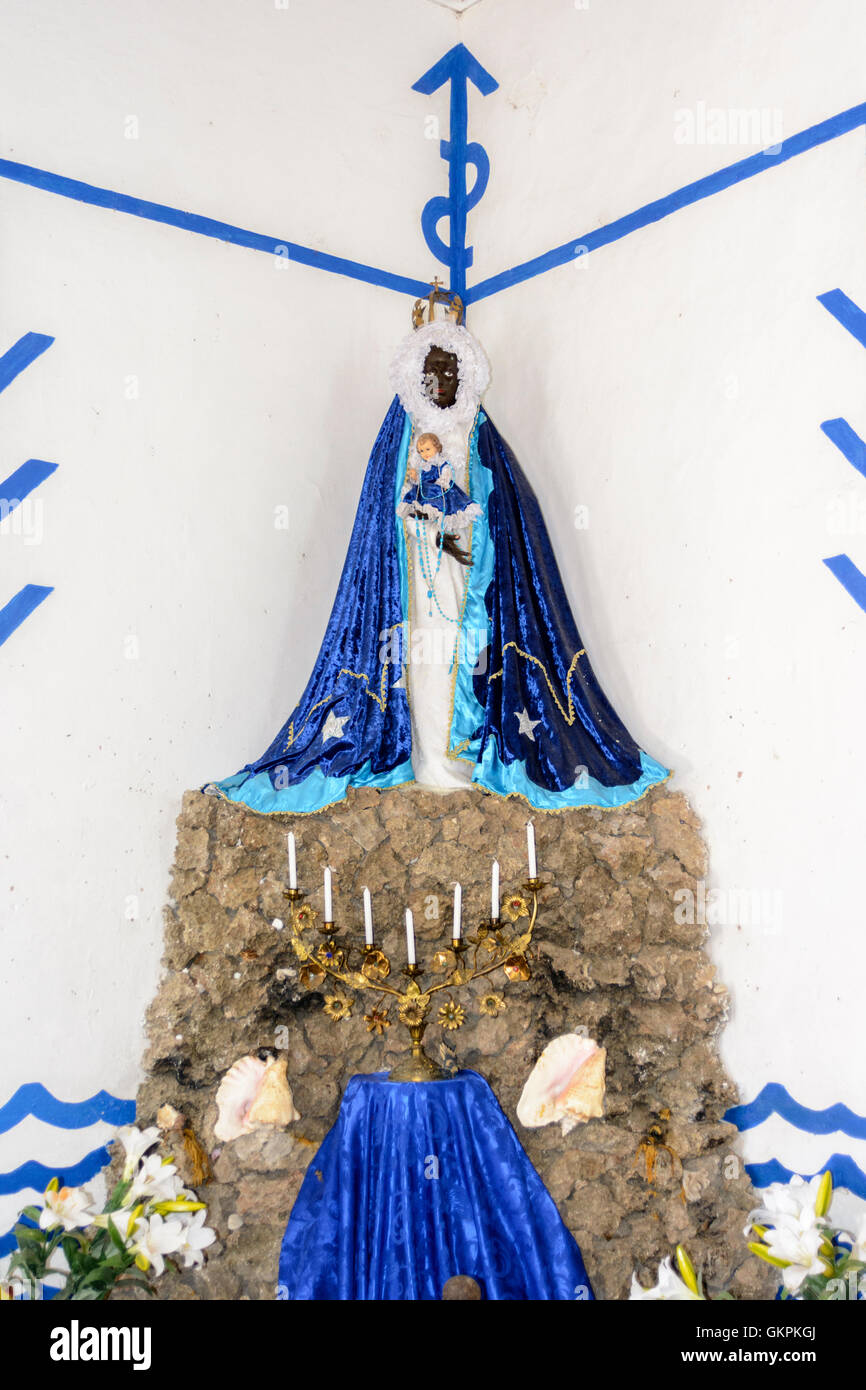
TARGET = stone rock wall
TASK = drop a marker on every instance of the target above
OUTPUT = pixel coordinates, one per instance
(610, 956)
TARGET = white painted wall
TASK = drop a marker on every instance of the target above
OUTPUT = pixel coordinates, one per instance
(673, 383)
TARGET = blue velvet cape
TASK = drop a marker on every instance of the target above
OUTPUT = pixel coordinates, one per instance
(528, 711)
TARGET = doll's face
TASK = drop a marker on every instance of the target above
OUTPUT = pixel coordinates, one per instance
(427, 449)
(441, 377)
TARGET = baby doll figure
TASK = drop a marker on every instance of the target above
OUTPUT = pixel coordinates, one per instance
(433, 495)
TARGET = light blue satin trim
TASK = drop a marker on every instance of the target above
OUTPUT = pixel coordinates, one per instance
(313, 794)
(468, 715)
(399, 483)
(510, 778)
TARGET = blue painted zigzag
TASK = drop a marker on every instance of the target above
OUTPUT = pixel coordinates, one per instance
(846, 1173)
(775, 1100)
(33, 1099)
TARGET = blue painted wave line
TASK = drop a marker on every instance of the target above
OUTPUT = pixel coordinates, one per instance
(22, 482)
(36, 1175)
(845, 1173)
(848, 442)
(85, 1169)
(683, 197)
(846, 312)
(33, 1099)
(852, 579)
(20, 607)
(206, 226)
(775, 1100)
(20, 355)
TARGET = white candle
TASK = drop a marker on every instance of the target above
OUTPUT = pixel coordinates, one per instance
(293, 867)
(494, 892)
(368, 917)
(458, 912)
(329, 904)
(410, 937)
(530, 846)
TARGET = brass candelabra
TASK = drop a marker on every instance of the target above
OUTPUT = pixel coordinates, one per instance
(466, 958)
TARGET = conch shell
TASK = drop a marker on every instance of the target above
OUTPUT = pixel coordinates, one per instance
(566, 1084)
(253, 1093)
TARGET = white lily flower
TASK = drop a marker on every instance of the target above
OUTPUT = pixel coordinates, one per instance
(801, 1250)
(136, 1143)
(68, 1207)
(196, 1238)
(669, 1288)
(789, 1204)
(153, 1238)
(154, 1181)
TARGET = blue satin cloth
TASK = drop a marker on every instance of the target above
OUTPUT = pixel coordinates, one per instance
(528, 710)
(417, 1182)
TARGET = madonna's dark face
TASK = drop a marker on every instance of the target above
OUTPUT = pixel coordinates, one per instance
(441, 377)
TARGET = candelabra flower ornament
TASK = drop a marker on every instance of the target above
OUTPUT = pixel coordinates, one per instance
(148, 1215)
(347, 970)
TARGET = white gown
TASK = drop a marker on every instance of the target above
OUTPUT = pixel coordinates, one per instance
(430, 674)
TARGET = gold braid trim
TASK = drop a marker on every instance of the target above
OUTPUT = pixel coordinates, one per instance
(569, 715)
(473, 788)
(381, 699)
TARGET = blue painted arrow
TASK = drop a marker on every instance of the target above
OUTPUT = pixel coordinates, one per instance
(458, 67)
(848, 442)
(20, 355)
(21, 482)
(849, 577)
(846, 312)
(20, 607)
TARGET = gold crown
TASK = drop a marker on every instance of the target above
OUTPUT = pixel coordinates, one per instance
(438, 295)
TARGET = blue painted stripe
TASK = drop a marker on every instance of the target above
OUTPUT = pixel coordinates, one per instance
(775, 1100)
(33, 1099)
(845, 1172)
(23, 481)
(848, 442)
(20, 355)
(846, 312)
(20, 607)
(849, 576)
(36, 1175)
(662, 207)
(207, 226)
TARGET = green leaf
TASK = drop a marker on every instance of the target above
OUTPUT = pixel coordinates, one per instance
(25, 1235)
(118, 1195)
(115, 1237)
